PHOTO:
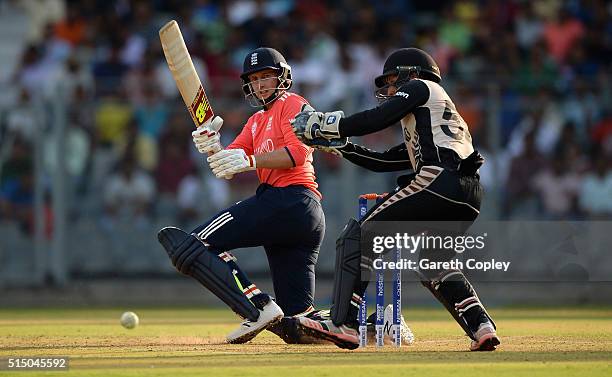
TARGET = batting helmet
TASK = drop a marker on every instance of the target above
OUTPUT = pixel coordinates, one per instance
(265, 58)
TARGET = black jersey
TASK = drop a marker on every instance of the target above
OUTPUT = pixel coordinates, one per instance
(434, 132)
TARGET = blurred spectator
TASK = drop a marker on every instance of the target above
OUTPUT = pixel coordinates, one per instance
(77, 82)
(129, 193)
(537, 72)
(141, 146)
(557, 189)
(174, 165)
(152, 114)
(561, 34)
(570, 149)
(455, 32)
(21, 119)
(197, 195)
(140, 78)
(596, 192)
(582, 109)
(601, 134)
(529, 27)
(541, 69)
(72, 28)
(112, 117)
(523, 169)
(109, 70)
(17, 187)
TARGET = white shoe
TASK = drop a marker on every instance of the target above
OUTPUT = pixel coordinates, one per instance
(406, 335)
(389, 330)
(486, 338)
(271, 314)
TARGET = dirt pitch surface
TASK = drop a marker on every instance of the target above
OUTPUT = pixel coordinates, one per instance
(189, 342)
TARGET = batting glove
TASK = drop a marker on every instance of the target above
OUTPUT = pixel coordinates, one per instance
(309, 125)
(207, 137)
(231, 161)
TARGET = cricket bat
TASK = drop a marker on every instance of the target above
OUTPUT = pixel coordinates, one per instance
(185, 75)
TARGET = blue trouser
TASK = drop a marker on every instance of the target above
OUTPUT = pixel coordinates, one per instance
(289, 223)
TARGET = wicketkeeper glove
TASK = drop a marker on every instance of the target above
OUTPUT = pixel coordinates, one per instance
(328, 145)
(309, 125)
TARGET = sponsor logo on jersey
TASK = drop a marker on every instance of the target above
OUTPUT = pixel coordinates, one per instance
(253, 128)
(265, 147)
(402, 94)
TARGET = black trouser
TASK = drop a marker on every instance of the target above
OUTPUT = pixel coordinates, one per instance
(289, 223)
(433, 194)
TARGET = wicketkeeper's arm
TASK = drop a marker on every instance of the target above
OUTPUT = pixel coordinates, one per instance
(393, 159)
(408, 97)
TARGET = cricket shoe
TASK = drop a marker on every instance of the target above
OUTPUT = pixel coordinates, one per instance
(486, 338)
(388, 329)
(271, 314)
(289, 330)
(342, 336)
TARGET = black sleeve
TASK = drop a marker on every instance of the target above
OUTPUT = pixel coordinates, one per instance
(409, 96)
(393, 159)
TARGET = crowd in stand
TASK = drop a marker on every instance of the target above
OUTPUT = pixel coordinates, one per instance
(532, 79)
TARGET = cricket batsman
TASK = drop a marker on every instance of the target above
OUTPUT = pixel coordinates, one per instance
(284, 216)
(445, 186)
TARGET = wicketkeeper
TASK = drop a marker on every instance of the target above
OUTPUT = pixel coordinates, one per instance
(445, 186)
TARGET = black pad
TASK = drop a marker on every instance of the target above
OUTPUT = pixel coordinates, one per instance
(456, 293)
(193, 258)
(347, 277)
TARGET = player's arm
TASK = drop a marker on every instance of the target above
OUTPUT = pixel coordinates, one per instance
(393, 159)
(278, 159)
(332, 125)
(239, 156)
(235, 159)
(408, 97)
(291, 155)
(294, 149)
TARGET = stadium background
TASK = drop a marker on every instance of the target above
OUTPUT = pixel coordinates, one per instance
(86, 100)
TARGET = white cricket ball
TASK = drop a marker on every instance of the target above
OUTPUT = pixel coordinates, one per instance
(129, 320)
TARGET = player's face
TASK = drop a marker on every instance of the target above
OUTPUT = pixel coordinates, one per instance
(264, 83)
(390, 81)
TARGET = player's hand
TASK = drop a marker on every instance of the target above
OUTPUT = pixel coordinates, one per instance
(207, 137)
(309, 124)
(231, 161)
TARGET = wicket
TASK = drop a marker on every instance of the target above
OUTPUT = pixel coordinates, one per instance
(380, 293)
